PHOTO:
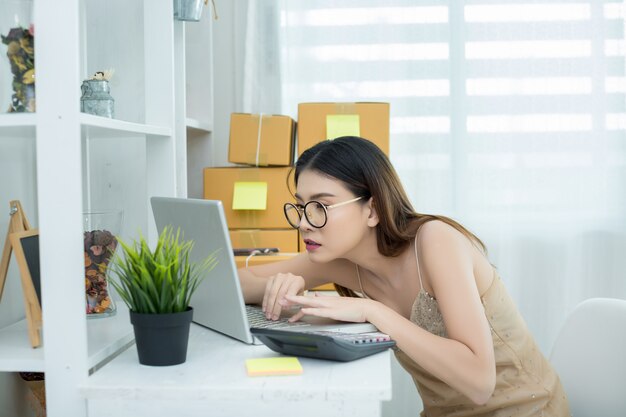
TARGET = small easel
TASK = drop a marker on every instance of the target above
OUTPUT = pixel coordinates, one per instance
(18, 225)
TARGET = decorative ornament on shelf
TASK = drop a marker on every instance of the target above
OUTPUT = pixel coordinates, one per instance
(96, 98)
(191, 10)
(20, 43)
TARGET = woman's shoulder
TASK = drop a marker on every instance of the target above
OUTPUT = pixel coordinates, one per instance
(441, 246)
(438, 231)
(436, 239)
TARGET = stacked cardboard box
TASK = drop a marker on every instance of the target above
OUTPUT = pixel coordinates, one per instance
(261, 139)
(321, 121)
(253, 199)
(254, 195)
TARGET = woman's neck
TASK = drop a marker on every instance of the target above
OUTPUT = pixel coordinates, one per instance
(380, 267)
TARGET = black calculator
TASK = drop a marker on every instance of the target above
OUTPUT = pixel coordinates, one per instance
(334, 346)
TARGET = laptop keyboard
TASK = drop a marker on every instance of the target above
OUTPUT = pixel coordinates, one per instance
(256, 319)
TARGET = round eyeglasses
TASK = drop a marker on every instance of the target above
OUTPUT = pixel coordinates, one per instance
(316, 213)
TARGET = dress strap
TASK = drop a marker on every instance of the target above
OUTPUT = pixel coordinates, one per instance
(417, 262)
(358, 275)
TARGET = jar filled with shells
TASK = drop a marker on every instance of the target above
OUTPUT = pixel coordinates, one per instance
(100, 242)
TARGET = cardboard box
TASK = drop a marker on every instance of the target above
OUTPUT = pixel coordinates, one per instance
(321, 121)
(261, 260)
(261, 140)
(253, 198)
(284, 240)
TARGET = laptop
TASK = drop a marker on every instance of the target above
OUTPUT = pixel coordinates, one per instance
(218, 302)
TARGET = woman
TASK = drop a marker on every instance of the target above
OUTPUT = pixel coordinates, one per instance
(424, 280)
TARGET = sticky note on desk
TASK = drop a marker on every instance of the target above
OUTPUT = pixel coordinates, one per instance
(250, 196)
(281, 365)
(338, 125)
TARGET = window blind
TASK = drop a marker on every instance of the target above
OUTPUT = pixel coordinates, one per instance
(499, 109)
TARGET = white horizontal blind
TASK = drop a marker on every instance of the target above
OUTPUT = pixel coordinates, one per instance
(544, 89)
(397, 52)
(498, 108)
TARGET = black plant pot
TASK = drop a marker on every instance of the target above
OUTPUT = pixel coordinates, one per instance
(162, 338)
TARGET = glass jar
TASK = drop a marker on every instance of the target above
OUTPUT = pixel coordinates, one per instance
(17, 56)
(99, 236)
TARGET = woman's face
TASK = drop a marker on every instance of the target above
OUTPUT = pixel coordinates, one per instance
(345, 225)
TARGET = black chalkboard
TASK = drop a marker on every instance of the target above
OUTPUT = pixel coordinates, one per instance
(30, 244)
(25, 245)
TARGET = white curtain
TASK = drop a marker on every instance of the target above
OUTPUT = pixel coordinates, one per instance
(507, 116)
(262, 67)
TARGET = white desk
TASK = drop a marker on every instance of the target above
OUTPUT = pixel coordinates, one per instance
(213, 382)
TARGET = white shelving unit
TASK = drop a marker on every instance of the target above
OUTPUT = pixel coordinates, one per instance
(105, 339)
(71, 162)
(195, 124)
(103, 127)
(13, 120)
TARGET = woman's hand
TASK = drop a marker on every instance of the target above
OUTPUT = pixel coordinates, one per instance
(277, 287)
(333, 307)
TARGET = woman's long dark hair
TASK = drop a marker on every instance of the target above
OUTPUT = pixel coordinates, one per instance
(366, 171)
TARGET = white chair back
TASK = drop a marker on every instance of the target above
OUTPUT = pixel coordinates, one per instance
(589, 355)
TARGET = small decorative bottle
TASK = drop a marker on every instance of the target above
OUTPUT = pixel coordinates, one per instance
(96, 98)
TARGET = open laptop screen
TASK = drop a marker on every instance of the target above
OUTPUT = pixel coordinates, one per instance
(218, 302)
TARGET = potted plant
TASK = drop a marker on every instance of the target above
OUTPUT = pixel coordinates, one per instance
(157, 287)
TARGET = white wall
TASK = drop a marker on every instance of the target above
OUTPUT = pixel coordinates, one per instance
(228, 56)
(199, 92)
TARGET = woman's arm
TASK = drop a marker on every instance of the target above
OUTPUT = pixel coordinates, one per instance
(469, 371)
(252, 286)
(267, 284)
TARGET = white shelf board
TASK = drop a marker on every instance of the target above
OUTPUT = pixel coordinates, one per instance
(198, 125)
(215, 371)
(18, 125)
(16, 354)
(17, 120)
(106, 337)
(105, 127)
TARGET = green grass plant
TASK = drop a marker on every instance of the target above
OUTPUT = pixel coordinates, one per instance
(160, 281)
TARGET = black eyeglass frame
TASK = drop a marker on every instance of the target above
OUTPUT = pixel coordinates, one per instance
(302, 210)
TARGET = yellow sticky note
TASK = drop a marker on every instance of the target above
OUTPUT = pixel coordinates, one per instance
(338, 125)
(281, 365)
(250, 196)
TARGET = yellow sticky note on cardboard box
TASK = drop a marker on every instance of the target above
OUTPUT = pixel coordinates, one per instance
(338, 125)
(280, 365)
(250, 196)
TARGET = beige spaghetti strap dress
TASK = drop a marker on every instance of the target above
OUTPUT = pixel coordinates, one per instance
(526, 384)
